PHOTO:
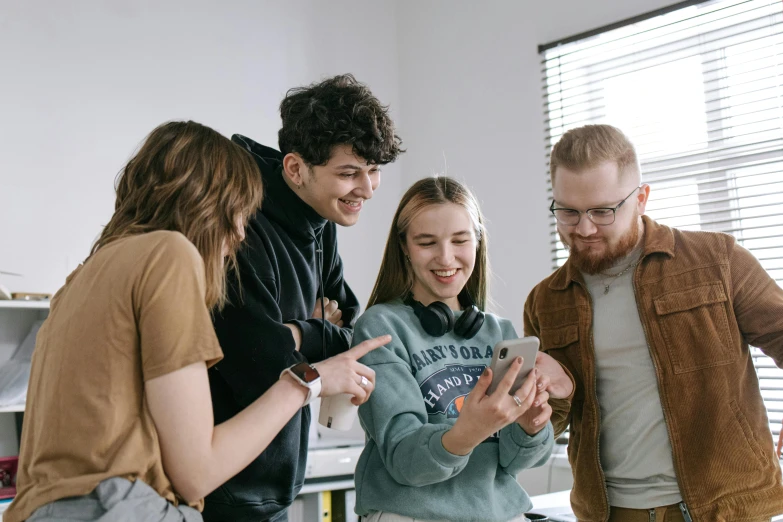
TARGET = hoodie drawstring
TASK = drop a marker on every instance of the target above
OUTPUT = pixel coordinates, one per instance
(320, 258)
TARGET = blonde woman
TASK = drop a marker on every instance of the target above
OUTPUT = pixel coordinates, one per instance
(119, 423)
(438, 446)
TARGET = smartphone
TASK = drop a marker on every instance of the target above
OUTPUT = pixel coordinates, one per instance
(505, 353)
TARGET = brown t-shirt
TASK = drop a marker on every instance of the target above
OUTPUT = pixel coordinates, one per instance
(134, 311)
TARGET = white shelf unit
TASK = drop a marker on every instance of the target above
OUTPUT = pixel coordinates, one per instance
(16, 319)
(14, 305)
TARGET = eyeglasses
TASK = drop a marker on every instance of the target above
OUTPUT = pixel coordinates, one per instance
(599, 216)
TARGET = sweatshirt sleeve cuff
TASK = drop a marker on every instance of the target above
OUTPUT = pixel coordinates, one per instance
(523, 440)
(441, 455)
(312, 347)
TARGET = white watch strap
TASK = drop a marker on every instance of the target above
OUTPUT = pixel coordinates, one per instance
(315, 391)
(313, 388)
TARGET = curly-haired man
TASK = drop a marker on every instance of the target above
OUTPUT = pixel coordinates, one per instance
(293, 304)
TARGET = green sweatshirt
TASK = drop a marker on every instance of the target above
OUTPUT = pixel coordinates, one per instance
(421, 382)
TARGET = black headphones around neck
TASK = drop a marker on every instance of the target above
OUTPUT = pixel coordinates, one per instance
(437, 319)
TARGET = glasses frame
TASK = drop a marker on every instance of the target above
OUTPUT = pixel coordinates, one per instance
(589, 211)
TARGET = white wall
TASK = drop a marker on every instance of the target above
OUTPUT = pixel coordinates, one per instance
(471, 91)
(84, 81)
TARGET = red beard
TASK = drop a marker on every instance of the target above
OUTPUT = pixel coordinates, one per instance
(590, 263)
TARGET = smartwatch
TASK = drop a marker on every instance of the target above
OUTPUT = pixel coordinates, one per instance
(308, 377)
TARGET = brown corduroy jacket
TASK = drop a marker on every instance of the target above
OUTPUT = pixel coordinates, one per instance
(703, 300)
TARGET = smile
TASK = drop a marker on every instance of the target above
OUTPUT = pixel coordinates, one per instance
(445, 273)
(351, 206)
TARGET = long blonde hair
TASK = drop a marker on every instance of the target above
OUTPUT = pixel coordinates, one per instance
(395, 279)
(188, 178)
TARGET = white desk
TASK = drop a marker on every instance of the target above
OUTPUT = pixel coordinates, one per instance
(559, 499)
(557, 505)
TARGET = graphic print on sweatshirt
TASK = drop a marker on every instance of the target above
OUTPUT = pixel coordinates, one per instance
(445, 390)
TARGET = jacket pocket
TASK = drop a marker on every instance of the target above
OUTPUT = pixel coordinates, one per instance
(562, 344)
(750, 436)
(694, 324)
(552, 338)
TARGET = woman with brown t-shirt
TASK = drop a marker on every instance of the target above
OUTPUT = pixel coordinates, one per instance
(118, 424)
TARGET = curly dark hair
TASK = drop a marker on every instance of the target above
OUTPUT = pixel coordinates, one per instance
(337, 111)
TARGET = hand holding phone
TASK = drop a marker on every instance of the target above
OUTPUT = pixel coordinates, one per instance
(484, 414)
(506, 352)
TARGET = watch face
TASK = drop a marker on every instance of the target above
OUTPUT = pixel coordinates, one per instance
(305, 372)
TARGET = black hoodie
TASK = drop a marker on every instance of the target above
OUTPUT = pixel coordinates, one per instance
(278, 268)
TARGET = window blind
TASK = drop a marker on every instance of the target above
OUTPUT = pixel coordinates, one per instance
(698, 90)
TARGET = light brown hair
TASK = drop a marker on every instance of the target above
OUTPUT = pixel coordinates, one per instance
(588, 146)
(395, 279)
(190, 179)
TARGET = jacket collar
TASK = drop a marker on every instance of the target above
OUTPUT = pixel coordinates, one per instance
(658, 239)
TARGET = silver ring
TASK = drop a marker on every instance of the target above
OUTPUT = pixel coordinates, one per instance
(517, 400)
(364, 382)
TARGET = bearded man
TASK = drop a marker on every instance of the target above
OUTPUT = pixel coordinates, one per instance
(655, 325)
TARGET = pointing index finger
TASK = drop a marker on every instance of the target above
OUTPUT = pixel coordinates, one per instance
(363, 348)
